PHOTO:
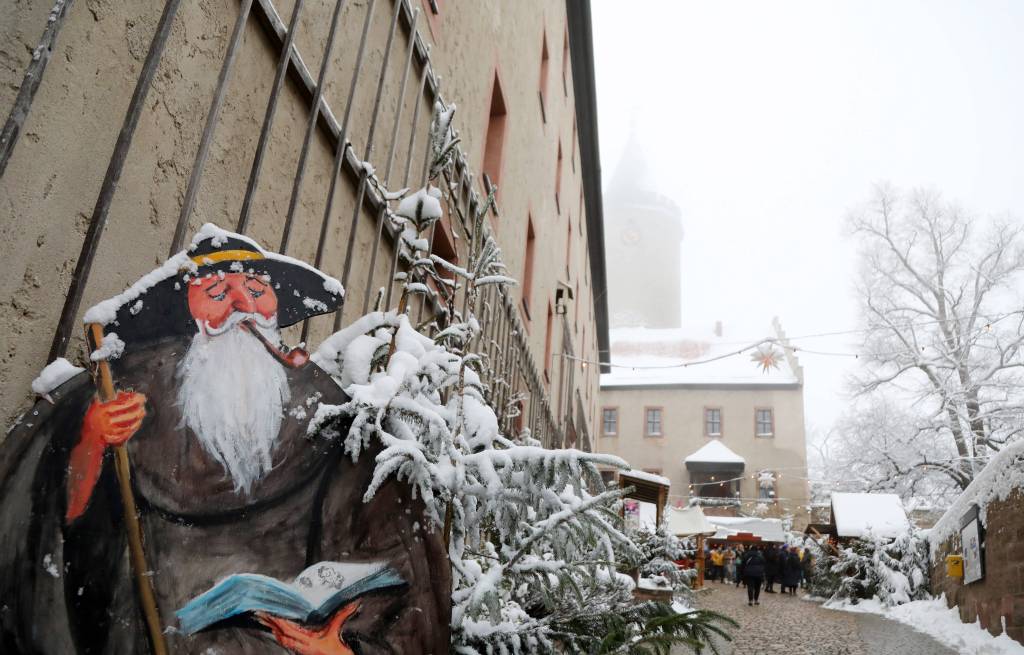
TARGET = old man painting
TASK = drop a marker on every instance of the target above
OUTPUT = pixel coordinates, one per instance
(213, 411)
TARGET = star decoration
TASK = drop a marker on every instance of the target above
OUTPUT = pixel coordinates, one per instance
(767, 356)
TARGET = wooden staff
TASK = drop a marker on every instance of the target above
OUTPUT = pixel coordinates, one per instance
(143, 581)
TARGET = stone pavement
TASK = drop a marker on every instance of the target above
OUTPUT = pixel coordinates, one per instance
(786, 625)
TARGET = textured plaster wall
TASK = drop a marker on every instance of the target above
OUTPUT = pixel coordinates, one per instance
(52, 181)
(683, 428)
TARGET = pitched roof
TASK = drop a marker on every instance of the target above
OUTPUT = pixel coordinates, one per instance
(856, 514)
(716, 452)
(689, 356)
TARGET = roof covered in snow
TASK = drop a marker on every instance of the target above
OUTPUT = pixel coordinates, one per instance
(687, 356)
(715, 452)
(856, 514)
(688, 521)
(647, 477)
(767, 529)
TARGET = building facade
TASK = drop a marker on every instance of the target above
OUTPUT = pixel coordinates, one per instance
(722, 431)
(128, 126)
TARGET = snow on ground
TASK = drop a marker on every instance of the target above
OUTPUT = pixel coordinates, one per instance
(933, 618)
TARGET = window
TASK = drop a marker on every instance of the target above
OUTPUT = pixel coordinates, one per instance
(572, 145)
(766, 485)
(565, 62)
(568, 257)
(547, 344)
(494, 143)
(652, 421)
(712, 422)
(610, 421)
(543, 84)
(764, 420)
(528, 266)
(558, 179)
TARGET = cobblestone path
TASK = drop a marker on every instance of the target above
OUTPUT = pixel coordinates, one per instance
(787, 625)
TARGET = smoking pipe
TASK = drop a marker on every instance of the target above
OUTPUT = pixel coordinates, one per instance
(292, 358)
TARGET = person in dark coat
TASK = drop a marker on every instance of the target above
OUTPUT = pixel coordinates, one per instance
(752, 568)
(772, 568)
(791, 570)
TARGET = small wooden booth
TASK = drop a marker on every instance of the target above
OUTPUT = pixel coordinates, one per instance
(647, 488)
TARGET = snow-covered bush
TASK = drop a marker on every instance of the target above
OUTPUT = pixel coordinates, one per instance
(658, 550)
(532, 534)
(895, 571)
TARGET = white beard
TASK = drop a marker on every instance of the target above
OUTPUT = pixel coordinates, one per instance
(231, 394)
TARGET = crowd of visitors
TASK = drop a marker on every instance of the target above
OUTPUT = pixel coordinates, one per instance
(770, 564)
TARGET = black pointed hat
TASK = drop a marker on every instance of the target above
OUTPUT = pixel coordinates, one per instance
(156, 306)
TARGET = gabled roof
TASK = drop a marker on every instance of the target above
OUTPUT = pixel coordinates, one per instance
(714, 452)
(769, 530)
(856, 514)
(693, 357)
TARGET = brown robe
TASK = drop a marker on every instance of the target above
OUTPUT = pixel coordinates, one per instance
(68, 588)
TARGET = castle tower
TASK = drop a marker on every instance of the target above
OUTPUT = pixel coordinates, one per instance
(643, 230)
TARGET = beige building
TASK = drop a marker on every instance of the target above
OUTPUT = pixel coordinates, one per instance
(128, 125)
(722, 431)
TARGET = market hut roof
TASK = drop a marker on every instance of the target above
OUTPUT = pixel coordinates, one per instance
(762, 530)
(856, 514)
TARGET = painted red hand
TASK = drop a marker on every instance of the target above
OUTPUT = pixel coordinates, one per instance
(105, 424)
(307, 641)
(114, 422)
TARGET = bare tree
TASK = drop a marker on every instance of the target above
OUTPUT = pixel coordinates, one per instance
(881, 445)
(939, 294)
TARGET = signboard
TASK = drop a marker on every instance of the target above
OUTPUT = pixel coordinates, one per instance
(971, 537)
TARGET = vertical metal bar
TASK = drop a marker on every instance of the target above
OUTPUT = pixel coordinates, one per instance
(339, 155)
(106, 195)
(30, 82)
(268, 119)
(391, 157)
(342, 146)
(211, 123)
(405, 175)
(357, 210)
(314, 113)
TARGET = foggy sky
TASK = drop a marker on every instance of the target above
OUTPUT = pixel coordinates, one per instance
(768, 121)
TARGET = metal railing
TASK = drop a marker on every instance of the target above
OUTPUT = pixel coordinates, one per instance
(513, 372)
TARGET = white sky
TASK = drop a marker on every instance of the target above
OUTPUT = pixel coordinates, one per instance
(767, 121)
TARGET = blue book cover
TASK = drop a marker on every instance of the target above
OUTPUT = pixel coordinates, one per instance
(312, 597)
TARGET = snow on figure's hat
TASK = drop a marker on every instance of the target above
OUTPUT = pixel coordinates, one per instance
(157, 305)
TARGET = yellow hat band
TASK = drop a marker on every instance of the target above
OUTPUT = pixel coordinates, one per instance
(226, 255)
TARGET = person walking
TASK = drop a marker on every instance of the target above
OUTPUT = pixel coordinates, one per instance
(752, 566)
(771, 568)
(791, 571)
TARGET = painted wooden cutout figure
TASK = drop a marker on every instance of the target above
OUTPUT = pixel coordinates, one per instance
(256, 534)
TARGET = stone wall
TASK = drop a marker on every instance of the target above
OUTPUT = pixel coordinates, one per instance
(997, 600)
(53, 178)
